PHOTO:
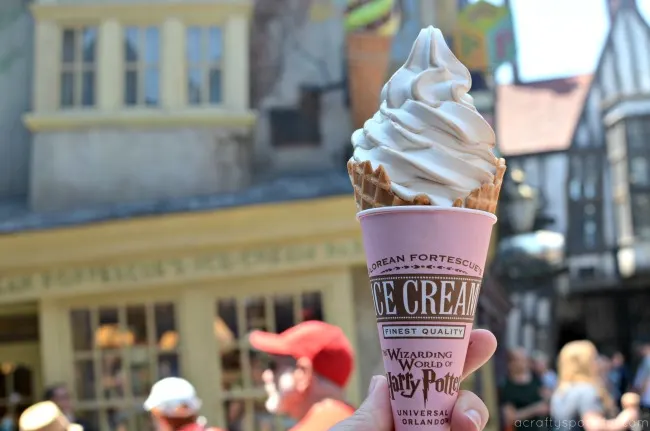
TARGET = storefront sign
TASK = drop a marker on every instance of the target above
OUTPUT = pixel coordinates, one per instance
(183, 269)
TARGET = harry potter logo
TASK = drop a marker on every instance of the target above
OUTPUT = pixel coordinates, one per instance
(425, 297)
(429, 378)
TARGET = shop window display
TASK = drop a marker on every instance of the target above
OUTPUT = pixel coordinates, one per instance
(119, 352)
(242, 391)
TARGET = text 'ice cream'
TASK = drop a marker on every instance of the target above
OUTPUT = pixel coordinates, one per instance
(427, 135)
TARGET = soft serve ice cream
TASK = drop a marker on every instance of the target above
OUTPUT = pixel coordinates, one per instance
(426, 184)
(427, 134)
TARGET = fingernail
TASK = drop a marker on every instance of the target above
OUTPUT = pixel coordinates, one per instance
(373, 384)
(475, 417)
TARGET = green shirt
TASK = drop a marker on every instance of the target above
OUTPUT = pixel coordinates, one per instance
(523, 395)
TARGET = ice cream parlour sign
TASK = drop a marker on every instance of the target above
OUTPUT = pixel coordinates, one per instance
(183, 269)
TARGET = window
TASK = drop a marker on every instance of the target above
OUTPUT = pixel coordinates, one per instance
(589, 227)
(638, 131)
(575, 183)
(204, 52)
(78, 64)
(641, 215)
(119, 352)
(592, 166)
(639, 175)
(142, 62)
(298, 126)
(242, 390)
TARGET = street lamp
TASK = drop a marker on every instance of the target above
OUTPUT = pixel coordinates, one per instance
(519, 203)
(525, 251)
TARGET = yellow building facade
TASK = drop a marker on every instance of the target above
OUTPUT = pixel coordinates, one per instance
(122, 304)
(108, 308)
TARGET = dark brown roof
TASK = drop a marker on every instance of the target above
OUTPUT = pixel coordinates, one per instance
(539, 117)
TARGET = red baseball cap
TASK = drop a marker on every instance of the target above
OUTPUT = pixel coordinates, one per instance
(325, 345)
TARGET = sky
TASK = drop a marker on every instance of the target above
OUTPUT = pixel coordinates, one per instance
(559, 38)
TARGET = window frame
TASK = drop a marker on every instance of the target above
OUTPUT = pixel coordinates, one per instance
(204, 65)
(637, 132)
(248, 393)
(640, 219)
(591, 165)
(99, 403)
(642, 126)
(78, 67)
(141, 66)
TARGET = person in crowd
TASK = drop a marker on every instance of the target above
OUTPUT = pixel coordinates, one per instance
(8, 421)
(543, 371)
(469, 413)
(45, 416)
(642, 383)
(60, 395)
(522, 395)
(619, 377)
(310, 365)
(581, 401)
(604, 367)
(174, 406)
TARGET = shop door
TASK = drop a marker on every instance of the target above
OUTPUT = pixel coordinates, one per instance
(20, 379)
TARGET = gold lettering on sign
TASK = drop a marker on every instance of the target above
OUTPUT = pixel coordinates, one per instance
(177, 270)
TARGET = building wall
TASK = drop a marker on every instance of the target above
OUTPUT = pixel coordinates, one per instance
(621, 74)
(103, 166)
(298, 47)
(297, 52)
(109, 151)
(16, 34)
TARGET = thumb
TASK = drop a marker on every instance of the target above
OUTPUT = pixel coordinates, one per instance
(375, 413)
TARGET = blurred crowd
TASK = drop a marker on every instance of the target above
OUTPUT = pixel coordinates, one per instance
(304, 376)
(308, 366)
(586, 391)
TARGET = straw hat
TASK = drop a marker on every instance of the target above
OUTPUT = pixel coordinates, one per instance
(45, 416)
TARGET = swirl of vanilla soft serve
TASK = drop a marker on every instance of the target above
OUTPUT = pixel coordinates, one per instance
(427, 134)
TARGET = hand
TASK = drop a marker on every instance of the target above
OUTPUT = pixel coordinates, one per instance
(630, 414)
(470, 413)
(630, 400)
(542, 409)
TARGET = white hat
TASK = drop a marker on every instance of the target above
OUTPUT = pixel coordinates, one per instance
(45, 416)
(173, 397)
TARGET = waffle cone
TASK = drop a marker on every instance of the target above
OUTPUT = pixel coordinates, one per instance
(372, 189)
